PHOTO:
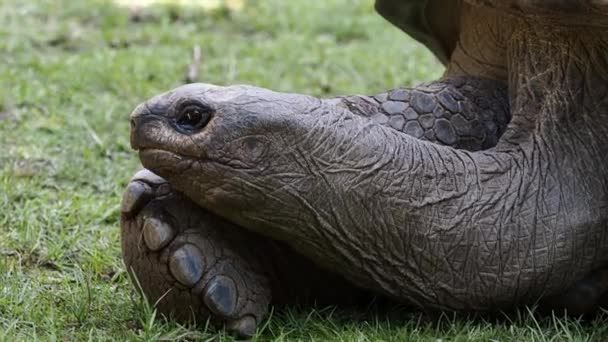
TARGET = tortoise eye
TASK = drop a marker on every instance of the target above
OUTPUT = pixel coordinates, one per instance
(193, 117)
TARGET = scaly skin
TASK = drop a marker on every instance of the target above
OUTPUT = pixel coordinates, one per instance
(427, 224)
(464, 112)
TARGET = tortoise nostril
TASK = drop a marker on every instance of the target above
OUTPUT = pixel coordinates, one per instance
(141, 110)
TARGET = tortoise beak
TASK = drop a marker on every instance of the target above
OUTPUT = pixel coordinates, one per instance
(135, 120)
(140, 118)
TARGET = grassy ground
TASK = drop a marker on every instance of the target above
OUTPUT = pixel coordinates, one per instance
(71, 71)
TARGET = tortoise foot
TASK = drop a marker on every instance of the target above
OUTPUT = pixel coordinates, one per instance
(191, 264)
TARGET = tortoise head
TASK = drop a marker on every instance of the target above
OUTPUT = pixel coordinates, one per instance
(210, 135)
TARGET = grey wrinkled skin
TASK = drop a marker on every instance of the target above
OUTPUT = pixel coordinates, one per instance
(343, 183)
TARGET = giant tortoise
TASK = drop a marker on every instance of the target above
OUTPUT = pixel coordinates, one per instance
(482, 191)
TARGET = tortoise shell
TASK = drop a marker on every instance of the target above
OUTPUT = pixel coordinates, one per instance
(434, 23)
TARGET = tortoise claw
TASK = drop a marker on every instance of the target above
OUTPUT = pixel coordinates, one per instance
(135, 197)
(157, 233)
(221, 296)
(186, 265)
(142, 188)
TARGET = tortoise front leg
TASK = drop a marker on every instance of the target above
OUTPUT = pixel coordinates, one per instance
(193, 265)
(464, 112)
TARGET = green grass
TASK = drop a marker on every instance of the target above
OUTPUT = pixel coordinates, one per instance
(70, 73)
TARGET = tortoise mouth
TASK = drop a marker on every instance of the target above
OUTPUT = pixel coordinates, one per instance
(163, 161)
(146, 152)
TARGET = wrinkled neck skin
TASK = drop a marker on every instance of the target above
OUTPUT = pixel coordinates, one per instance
(441, 227)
